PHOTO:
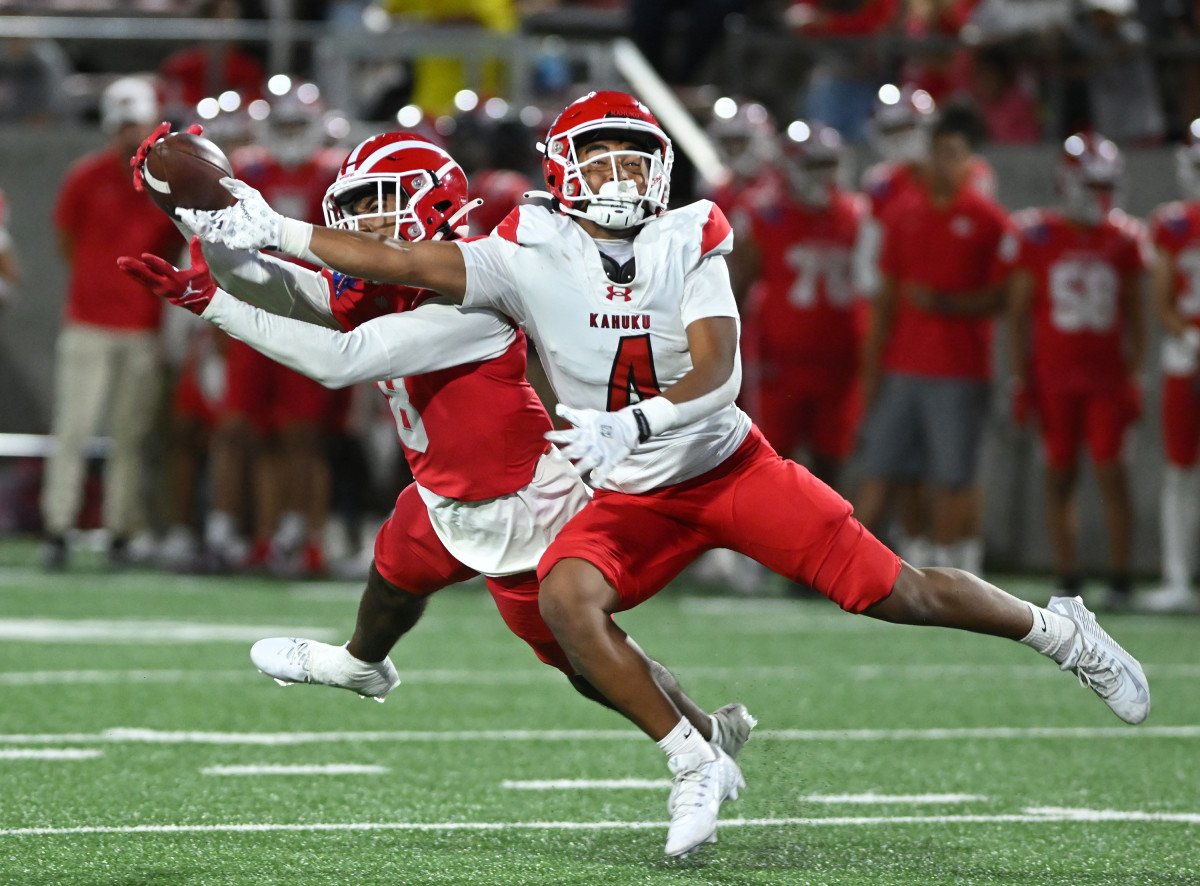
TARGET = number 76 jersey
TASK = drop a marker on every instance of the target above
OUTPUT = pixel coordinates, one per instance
(604, 344)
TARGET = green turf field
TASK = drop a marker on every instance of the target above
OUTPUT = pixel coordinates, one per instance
(139, 747)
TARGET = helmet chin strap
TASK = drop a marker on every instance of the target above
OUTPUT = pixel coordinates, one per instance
(618, 205)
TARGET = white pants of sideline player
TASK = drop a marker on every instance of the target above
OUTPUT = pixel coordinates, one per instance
(104, 380)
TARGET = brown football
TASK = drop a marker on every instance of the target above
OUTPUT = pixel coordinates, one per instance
(185, 171)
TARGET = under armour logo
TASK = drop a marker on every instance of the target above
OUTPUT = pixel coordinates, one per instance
(619, 292)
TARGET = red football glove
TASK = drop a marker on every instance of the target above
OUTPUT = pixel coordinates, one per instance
(139, 158)
(191, 288)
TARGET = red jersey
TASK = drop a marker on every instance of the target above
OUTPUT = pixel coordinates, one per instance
(1078, 320)
(103, 217)
(442, 416)
(1175, 229)
(960, 248)
(885, 183)
(803, 303)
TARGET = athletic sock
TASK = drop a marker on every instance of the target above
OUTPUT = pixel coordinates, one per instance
(1051, 633)
(685, 747)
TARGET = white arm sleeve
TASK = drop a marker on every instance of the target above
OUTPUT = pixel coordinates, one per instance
(707, 291)
(414, 342)
(277, 286)
(489, 280)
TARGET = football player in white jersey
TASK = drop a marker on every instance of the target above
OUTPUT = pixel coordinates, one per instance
(469, 512)
(631, 308)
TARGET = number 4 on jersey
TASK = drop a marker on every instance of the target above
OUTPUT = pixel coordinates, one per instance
(633, 378)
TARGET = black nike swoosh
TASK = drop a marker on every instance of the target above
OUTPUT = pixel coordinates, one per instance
(1043, 618)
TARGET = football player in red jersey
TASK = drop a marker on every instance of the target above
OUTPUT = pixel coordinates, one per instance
(677, 468)
(899, 132)
(1175, 288)
(489, 509)
(801, 310)
(1077, 341)
(273, 423)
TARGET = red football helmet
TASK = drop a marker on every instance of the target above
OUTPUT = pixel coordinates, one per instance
(899, 126)
(608, 115)
(429, 186)
(1089, 172)
(812, 154)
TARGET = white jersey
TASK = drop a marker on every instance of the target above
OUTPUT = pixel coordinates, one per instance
(494, 536)
(606, 345)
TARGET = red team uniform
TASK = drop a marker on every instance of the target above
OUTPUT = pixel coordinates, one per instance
(1175, 229)
(801, 325)
(1080, 385)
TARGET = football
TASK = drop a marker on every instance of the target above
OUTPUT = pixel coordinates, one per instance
(184, 171)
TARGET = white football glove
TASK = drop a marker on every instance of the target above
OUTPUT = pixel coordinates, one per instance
(600, 440)
(249, 224)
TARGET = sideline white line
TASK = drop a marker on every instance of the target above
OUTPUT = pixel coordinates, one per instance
(320, 769)
(1029, 816)
(153, 736)
(42, 678)
(52, 630)
(49, 754)
(562, 784)
(870, 798)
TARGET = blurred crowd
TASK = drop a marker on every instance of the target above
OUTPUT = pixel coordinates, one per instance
(868, 303)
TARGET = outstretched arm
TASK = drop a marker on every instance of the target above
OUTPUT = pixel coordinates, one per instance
(430, 338)
(252, 224)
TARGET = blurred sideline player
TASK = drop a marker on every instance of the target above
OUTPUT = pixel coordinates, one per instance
(801, 310)
(1175, 286)
(898, 131)
(489, 492)
(108, 357)
(199, 394)
(940, 340)
(271, 434)
(677, 467)
(1077, 336)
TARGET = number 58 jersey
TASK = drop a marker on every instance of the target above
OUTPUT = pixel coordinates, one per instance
(606, 344)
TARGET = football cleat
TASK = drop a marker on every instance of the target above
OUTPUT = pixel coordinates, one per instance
(696, 797)
(735, 723)
(1102, 665)
(291, 660)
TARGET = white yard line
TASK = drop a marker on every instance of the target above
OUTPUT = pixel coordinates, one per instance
(49, 753)
(870, 798)
(1029, 816)
(153, 736)
(41, 678)
(52, 630)
(319, 769)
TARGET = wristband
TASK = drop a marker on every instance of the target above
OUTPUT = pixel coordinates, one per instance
(655, 416)
(294, 238)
